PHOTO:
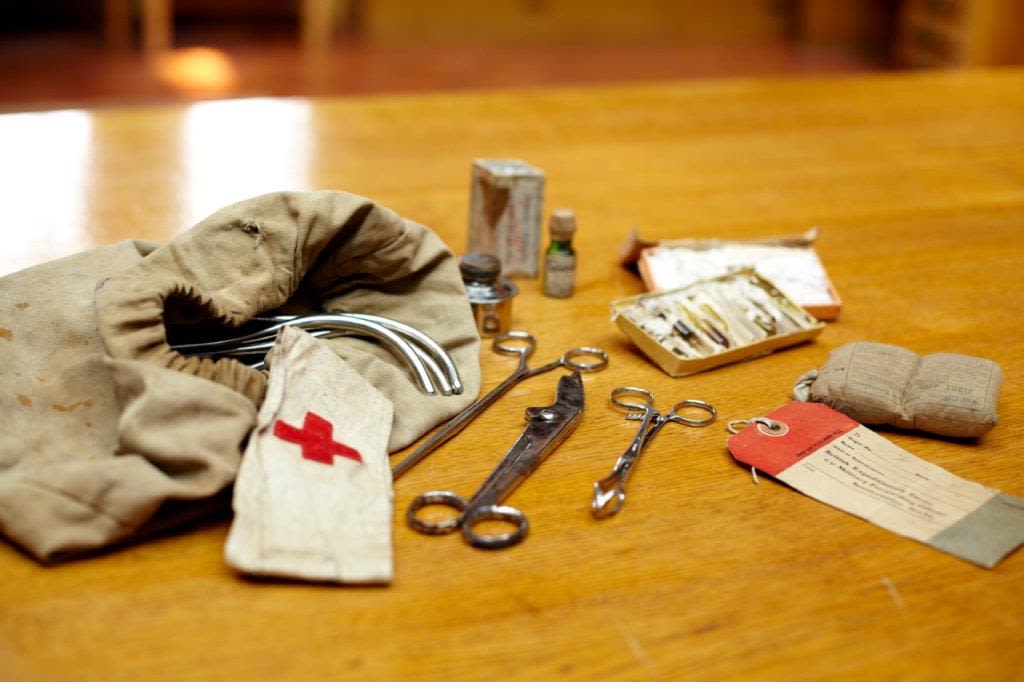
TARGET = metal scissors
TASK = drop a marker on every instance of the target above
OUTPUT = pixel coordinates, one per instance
(503, 344)
(545, 430)
(610, 491)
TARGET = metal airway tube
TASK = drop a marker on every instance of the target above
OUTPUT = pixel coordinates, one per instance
(435, 349)
(433, 346)
(390, 332)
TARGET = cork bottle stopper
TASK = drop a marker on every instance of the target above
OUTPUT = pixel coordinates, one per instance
(562, 225)
(480, 267)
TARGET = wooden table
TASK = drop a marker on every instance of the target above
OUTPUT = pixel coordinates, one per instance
(918, 184)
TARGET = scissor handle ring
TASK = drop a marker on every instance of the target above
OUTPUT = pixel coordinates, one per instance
(498, 513)
(634, 391)
(439, 497)
(524, 351)
(690, 421)
(570, 361)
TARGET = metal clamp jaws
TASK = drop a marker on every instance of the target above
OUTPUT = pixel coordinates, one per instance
(610, 492)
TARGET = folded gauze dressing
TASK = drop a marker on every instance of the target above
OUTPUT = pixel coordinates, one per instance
(877, 383)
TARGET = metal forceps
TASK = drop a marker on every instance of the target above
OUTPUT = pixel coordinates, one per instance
(546, 428)
(504, 344)
(610, 491)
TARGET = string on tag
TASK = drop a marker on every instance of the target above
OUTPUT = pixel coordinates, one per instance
(766, 426)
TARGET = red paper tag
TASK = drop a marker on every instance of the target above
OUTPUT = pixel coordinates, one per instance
(832, 458)
(819, 425)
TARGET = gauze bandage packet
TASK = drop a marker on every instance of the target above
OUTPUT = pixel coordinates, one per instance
(877, 383)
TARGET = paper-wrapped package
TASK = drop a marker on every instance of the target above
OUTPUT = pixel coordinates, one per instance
(878, 383)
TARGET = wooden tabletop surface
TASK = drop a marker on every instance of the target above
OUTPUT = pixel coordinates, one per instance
(917, 182)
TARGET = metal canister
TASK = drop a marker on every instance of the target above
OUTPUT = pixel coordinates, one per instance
(490, 295)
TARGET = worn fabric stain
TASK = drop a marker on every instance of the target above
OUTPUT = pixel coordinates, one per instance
(5, 333)
(24, 400)
(88, 424)
(87, 403)
(40, 379)
(251, 227)
(21, 306)
(70, 407)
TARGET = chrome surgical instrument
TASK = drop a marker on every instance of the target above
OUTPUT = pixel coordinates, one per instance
(610, 491)
(546, 428)
(503, 345)
(429, 361)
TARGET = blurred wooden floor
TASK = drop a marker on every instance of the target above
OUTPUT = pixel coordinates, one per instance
(74, 70)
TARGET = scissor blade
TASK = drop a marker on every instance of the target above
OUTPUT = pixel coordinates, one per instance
(546, 428)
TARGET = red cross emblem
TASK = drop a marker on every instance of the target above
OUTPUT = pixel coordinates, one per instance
(317, 439)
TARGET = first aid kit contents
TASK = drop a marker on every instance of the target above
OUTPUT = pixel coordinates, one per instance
(287, 344)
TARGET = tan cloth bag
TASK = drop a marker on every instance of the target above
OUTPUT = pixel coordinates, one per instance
(107, 434)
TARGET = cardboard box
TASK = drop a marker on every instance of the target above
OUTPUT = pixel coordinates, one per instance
(676, 366)
(505, 211)
(776, 255)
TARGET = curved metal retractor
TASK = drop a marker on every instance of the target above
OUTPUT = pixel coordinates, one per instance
(517, 344)
(610, 491)
(427, 359)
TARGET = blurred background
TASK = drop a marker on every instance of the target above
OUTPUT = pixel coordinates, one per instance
(76, 53)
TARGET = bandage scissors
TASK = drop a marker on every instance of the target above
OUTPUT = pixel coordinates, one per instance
(610, 491)
(515, 343)
(546, 428)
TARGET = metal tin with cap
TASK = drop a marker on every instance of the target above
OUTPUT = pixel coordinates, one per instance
(490, 295)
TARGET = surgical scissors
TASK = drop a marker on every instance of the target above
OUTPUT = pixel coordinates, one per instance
(546, 428)
(503, 345)
(610, 491)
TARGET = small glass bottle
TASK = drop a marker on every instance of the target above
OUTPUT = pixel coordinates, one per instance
(560, 257)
